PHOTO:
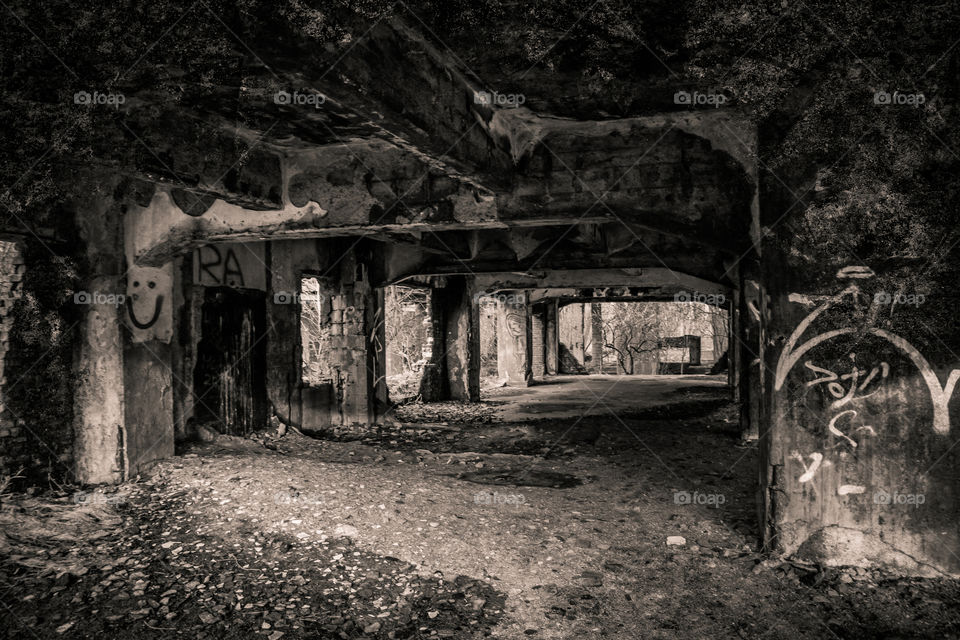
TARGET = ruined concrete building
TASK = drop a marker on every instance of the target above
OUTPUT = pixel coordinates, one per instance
(181, 279)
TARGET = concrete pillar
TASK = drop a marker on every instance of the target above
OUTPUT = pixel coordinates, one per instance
(99, 450)
(538, 327)
(434, 385)
(733, 345)
(861, 419)
(596, 338)
(750, 342)
(123, 401)
(453, 369)
(462, 335)
(551, 338)
(576, 345)
(513, 338)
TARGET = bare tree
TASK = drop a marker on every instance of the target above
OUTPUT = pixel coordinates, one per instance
(406, 308)
(635, 331)
(629, 331)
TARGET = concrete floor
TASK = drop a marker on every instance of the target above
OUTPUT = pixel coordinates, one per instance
(576, 395)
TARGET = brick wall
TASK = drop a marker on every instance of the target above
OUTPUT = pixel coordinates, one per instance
(38, 329)
(13, 450)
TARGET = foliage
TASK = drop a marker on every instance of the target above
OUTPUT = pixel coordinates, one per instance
(633, 332)
(313, 335)
(406, 308)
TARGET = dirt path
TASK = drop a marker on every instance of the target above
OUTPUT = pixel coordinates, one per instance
(555, 529)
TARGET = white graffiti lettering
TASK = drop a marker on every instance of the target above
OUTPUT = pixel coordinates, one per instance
(792, 353)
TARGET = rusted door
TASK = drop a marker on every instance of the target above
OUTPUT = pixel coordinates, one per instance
(229, 377)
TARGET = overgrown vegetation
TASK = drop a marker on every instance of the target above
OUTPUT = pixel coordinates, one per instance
(806, 71)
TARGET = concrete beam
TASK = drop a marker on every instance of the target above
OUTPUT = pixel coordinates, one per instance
(364, 187)
(688, 189)
(572, 283)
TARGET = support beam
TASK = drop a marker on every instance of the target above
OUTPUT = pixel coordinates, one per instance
(551, 339)
(733, 345)
(750, 357)
(861, 474)
(575, 333)
(453, 369)
(513, 339)
(462, 341)
(434, 385)
(596, 338)
(538, 328)
(100, 424)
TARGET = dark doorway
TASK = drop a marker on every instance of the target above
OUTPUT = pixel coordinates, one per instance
(229, 378)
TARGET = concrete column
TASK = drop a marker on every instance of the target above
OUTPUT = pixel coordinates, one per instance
(576, 345)
(434, 386)
(733, 345)
(462, 340)
(596, 338)
(749, 359)
(513, 338)
(538, 327)
(99, 449)
(551, 339)
(861, 419)
(123, 402)
(453, 370)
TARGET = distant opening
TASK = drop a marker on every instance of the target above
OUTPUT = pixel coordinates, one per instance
(311, 332)
(660, 338)
(409, 339)
(487, 313)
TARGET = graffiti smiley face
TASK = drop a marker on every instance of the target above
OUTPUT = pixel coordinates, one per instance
(148, 303)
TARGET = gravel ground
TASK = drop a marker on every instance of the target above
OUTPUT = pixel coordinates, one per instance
(628, 526)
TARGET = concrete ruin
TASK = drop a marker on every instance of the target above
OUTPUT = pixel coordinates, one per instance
(188, 305)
